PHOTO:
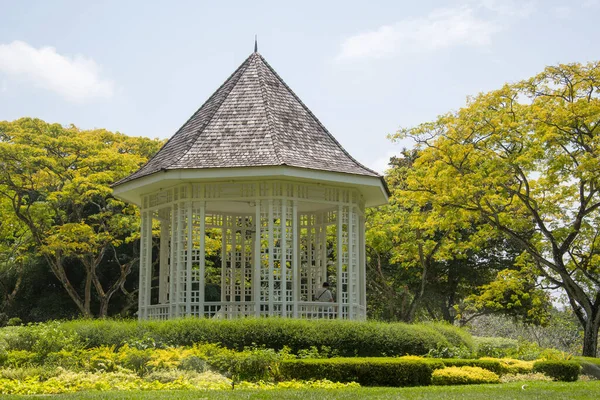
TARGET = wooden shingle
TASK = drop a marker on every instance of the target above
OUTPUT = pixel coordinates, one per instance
(254, 119)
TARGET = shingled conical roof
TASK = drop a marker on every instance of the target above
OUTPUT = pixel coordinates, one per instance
(254, 119)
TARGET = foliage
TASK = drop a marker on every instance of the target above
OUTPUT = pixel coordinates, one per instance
(513, 293)
(512, 366)
(366, 371)
(56, 180)
(524, 159)
(345, 338)
(496, 347)
(463, 376)
(490, 364)
(528, 377)
(562, 332)
(421, 262)
(566, 371)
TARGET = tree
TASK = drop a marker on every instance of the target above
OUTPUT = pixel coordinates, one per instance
(422, 262)
(526, 160)
(56, 180)
(15, 254)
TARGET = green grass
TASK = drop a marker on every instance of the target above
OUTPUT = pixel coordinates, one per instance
(533, 390)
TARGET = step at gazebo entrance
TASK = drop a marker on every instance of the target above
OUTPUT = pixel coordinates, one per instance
(250, 207)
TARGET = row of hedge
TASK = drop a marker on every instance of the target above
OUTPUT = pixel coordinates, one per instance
(345, 338)
(408, 371)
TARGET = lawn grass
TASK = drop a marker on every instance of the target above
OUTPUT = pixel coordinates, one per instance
(533, 390)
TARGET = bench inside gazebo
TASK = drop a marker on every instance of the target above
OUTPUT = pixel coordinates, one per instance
(250, 207)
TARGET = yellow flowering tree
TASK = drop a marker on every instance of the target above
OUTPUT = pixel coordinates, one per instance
(525, 159)
(56, 181)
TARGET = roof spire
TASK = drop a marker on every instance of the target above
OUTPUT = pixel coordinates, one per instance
(255, 44)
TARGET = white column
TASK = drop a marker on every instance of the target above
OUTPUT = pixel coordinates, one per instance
(173, 270)
(189, 247)
(283, 259)
(295, 258)
(163, 279)
(226, 220)
(143, 268)
(310, 273)
(362, 267)
(340, 251)
(271, 264)
(202, 278)
(148, 275)
(231, 307)
(351, 264)
(257, 261)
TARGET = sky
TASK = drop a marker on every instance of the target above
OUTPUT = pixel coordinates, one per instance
(365, 68)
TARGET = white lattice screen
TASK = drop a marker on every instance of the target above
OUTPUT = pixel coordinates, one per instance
(279, 241)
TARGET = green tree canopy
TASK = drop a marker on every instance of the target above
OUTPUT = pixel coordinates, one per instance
(526, 160)
(56, 181)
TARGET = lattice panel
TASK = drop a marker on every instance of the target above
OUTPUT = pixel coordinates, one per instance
(258, 249)
(145, 262)
(182, 253)
(353, 257)
(238, 239)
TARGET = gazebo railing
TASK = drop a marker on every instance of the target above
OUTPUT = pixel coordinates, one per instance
(231, 310)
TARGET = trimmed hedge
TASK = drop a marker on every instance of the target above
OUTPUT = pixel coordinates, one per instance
(344, 338)
(365, 371)
(463, 376)
(494, 366)
(566, 371)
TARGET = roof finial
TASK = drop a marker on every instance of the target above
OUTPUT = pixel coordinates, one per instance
(255, 44)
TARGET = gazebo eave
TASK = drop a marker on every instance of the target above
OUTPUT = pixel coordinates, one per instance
(371, 187)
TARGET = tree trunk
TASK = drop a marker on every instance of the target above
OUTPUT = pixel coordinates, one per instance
(590, 334)
(57, 267)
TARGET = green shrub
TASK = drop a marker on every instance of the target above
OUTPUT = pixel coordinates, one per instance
(365, 371)
(343, 338)
(457, 337)
(64, 359)
(42, 338)
(566, 371)
(193, 363)
(134, 359)
(20, 358)
(15, 321)
(496, 347)
(463, 376)
(499, 347)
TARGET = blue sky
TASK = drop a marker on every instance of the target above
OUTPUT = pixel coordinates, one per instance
(364, 68)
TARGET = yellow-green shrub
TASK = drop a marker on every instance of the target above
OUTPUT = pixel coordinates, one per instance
(512, 366)
(101, 358)
(463, 376)
(20, 358)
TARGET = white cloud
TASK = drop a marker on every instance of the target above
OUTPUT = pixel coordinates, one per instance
(509, 8)
(468, 25)
(441, 28)
(3, 86)
(77, 79)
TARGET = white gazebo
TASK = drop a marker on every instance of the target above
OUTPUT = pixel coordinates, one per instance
(250, 207)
